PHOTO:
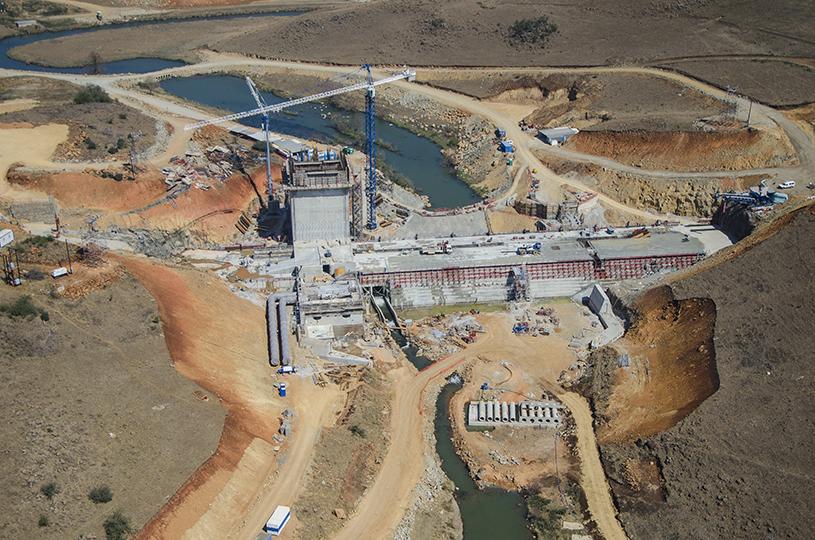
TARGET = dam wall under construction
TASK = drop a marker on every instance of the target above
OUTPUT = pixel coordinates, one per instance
(495, 273)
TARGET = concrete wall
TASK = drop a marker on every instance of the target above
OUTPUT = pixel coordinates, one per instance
(481, 292)
(320, 215)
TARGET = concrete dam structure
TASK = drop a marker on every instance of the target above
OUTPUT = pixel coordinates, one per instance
(488, 269)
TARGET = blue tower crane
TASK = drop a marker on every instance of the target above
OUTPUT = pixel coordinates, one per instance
(369, 85)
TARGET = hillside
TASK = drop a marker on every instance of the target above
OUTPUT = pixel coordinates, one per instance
(740, 465)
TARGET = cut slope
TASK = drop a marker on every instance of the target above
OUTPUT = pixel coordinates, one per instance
(742, 464)
(672, 368)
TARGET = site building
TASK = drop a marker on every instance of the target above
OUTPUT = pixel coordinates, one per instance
(556, 136)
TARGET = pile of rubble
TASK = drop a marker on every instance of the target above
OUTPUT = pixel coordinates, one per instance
(540, 323)
(198, 169)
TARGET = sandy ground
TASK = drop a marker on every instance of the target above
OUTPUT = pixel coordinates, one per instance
(14, 105)
(31, 146)
(227, 355)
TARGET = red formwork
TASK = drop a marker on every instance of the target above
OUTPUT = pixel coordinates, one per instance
(608, 269)
(637, 267)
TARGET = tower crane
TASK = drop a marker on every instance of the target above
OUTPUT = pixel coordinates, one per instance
(369, 85)
(265, 124)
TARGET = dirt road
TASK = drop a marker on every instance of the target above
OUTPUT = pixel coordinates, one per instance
(592, 476)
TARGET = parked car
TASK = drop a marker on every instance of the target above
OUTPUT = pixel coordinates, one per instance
(786, 185)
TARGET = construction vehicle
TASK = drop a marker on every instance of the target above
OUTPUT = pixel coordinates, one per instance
(442, 248)
(287, 369)
(530, 249)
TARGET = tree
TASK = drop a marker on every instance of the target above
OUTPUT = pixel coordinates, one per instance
(50, 489)
(92, 94)
(117, 526)
(100, 494)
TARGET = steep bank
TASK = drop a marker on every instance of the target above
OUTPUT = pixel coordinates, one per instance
(689, 151)
(728, 469)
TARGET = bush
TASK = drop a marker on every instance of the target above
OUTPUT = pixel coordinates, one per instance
(112, 150)
(92, 94)
(100, 495)
(531, 31)
(43, 521)
(50, 489)
(44, 316)
(358, 431)
(90, 145)
(122, 116)
(117, 526)
(23, 308)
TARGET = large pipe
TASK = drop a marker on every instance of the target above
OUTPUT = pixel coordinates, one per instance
(283, 321)
(489, 411)
(271, 324)
(482, 411)
(512, 416)
(504, 411)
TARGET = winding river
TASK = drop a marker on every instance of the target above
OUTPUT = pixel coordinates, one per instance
(417, 159)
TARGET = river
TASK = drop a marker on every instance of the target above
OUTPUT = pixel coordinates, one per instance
(417, 159)
(133, 65)
(486, 514)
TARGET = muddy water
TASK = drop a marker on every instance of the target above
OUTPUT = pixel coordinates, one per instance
(486, 514)
(417, 159)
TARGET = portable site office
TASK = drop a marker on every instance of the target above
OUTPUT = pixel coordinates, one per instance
(278, 520)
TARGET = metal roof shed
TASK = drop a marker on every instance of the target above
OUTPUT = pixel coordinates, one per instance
(557, 135)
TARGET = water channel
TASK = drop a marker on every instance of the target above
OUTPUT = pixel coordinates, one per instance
(417, 159)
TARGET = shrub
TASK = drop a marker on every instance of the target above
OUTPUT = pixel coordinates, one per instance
(50, 489)
(112, 150)
(100, 495)
(23, 308)
(44, 316)
(531, 31)
(90, 145)
(117, 526)
(43, 521)
(358, 431)
(122, 116)
(92, 94)
(120, 143)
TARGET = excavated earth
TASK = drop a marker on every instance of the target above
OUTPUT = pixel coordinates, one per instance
(739, 463)
(691, 151)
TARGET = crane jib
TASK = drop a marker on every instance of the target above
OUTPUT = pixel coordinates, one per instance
(406, 74)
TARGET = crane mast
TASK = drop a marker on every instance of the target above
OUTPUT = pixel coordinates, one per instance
(369, 85)
(265, 123)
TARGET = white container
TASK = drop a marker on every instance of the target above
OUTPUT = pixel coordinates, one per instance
(59, 272)
(6, 237)
(278, 520)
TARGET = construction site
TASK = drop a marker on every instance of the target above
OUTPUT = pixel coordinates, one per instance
(256, 289)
